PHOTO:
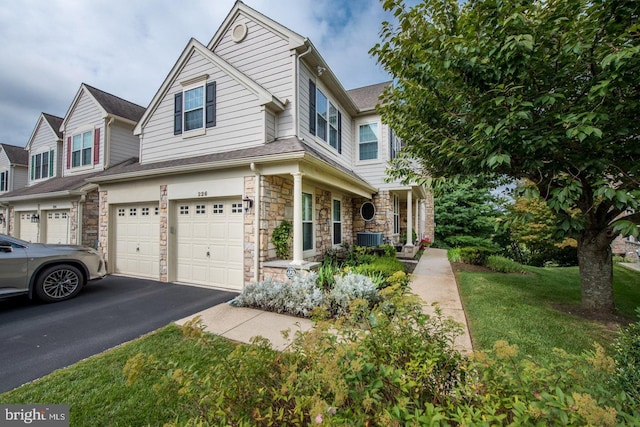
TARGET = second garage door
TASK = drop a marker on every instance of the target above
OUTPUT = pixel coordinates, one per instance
(58, 227)
(137, 240)
(210, 243)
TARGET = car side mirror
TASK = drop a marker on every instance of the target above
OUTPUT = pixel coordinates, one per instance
(4, 248)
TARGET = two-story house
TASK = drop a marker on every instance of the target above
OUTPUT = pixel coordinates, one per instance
(245, 132)
(57, 204)
(13, 174)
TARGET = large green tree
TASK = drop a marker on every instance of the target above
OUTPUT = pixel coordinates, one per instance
(466, 211)
(547, 90)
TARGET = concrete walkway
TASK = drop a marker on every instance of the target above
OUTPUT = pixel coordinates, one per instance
(432, 281)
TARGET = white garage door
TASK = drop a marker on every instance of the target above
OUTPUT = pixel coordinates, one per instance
(137, 240)
(58, 226)
(210, 243)
(28, 229)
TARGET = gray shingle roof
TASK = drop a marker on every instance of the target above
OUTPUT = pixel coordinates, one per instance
(280, 147)
(53, 185)
(16, 155)
(55, 122)
(367, 97)
(115, 105)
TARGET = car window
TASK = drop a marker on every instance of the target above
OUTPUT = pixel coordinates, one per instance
(8, 243)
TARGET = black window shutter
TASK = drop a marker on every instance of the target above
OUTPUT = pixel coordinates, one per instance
(312, 107)
(33, 167)
(177, 114)
(339, 132)
(210, 105)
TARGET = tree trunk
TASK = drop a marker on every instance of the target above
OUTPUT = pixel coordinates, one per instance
(596, 272)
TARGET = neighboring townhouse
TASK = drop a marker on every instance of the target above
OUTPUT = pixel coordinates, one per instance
(58, 205)
(13, 174)
(246, 132)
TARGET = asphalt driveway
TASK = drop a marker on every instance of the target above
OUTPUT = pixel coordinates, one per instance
(36, 339)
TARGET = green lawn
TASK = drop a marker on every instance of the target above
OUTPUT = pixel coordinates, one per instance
(523, 309)
(514, 307)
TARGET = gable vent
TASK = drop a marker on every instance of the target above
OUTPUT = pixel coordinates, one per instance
(239, 32)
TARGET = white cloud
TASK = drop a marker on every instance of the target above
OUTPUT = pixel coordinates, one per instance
(127, 47)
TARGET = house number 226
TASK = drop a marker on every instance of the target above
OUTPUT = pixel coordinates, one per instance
(202, 194)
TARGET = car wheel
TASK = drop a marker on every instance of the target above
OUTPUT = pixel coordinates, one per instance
(58, 283)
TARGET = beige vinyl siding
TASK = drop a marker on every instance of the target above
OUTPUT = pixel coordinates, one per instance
(86, 115)
(270, 124)
(19, 177)
(124, 144)
(264, 56)
(44, 140)
(239, 119)
(347, 156)
(5, 166)
(374, 171)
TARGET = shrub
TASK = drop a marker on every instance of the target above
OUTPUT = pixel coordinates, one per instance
(462, 241)
(475, 255)
(281, 239)
(454, 255)
(627, 357)
(386, 266)
(299, 297)
(348, 288)
(387, 367)
(504, 265)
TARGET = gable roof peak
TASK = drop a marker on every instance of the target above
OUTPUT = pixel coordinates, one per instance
(16, 155)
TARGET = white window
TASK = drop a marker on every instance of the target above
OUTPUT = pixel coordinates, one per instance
(307, 221)
(368, 141)
(42, 165)
(337, 222)
(82, 149)
(194, 108)
(325, 120)
(4, 181)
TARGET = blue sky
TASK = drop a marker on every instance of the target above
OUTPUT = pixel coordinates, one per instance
(127, 47)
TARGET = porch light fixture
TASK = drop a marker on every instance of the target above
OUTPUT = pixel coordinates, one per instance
(3, 221)
(248, 204)
(35, 218)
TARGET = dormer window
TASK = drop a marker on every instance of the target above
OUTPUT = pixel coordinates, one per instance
(42, 165)
(82, 149)
(194, 108)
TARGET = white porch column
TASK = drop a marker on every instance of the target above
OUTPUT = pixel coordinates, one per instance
(416, 222)
(423, 218)
(409, 219)
(297, 219)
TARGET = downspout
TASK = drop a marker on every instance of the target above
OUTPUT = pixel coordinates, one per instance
(256, 224)
(296, 88)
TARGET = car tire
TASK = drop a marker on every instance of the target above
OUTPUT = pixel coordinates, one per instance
(58, 283)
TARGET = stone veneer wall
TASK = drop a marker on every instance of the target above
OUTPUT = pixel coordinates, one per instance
(11, 221)
(91, 219)
(430, 222)
(103, 225)
(382, 222)
(164, 234)
(276, 205)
